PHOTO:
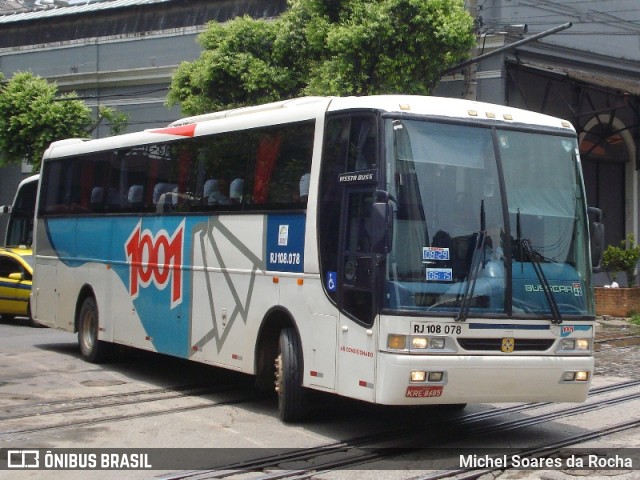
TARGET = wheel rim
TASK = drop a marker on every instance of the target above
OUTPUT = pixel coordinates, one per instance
(279, 374)
(88, 331)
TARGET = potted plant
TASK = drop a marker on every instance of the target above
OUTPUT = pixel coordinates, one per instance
(623, 258)
(620, 302)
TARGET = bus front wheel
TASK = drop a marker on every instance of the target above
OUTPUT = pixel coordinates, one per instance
(291, 394)
(92, 349)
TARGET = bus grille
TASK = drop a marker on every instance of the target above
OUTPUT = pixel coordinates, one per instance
(495, 344)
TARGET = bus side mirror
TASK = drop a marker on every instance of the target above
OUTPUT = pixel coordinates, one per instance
(596, 231)
(381, 227)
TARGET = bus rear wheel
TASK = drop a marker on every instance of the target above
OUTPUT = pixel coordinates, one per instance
(92, 349)
(288, 371)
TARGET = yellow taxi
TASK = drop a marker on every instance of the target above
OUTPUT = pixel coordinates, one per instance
(16, 271)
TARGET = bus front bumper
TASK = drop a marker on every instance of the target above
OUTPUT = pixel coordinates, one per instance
(480, 379)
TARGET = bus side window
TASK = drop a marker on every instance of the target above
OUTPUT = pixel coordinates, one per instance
(52, 201)
(362, 144)
(282, 157)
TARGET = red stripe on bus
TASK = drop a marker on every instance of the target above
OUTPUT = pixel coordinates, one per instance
(183, 131)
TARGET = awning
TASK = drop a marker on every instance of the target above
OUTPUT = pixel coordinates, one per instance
(614, 81)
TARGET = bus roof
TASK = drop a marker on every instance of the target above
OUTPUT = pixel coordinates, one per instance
(307, 108)
(447, 107)
(32, 178)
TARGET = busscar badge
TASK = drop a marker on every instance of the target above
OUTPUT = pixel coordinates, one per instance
(508, 344)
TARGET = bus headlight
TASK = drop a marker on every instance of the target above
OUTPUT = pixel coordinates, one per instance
(583, 344)
(416, 343)
(419, 343)
(576, 344)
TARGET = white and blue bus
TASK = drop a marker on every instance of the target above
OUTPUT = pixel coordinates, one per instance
(400, 250)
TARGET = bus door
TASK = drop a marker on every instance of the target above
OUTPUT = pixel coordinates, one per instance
(348, 265)
(356, 281)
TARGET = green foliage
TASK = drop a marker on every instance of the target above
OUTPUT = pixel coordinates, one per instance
(118, 120)
(393, 46)
(33, 114)
(330, 47)
(623, 258)
(635, 318)
(239, 66)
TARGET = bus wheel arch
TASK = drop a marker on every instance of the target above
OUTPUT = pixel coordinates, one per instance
(280, 364)
(92, 348)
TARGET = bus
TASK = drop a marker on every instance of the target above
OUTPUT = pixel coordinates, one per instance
(398, 250)
(19, 232)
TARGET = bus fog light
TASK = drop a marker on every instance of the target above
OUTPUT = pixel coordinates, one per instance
(582, 376)
(435, 376)
(397, 342)
(419, 343)
(579, 376)
(418, 376)
(437, 343)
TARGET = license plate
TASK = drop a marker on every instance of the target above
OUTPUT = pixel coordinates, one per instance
(420, 328)
(423, 391)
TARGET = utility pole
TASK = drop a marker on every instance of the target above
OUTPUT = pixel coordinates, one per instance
(471, 71)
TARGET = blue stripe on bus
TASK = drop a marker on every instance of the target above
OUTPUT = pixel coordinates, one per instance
(507, 326)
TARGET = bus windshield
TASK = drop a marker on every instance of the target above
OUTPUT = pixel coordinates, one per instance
(20, 227)
(487, 220)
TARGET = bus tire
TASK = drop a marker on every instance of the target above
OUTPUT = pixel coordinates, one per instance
(291, 393)
(91, 349)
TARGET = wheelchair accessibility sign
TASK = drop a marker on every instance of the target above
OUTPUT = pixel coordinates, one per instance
(332, 280)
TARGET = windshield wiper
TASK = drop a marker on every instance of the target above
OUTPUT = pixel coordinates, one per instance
(546, 287)
(476, 261)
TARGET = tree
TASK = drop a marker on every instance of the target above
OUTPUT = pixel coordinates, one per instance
(325, 47)
(33, 114)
